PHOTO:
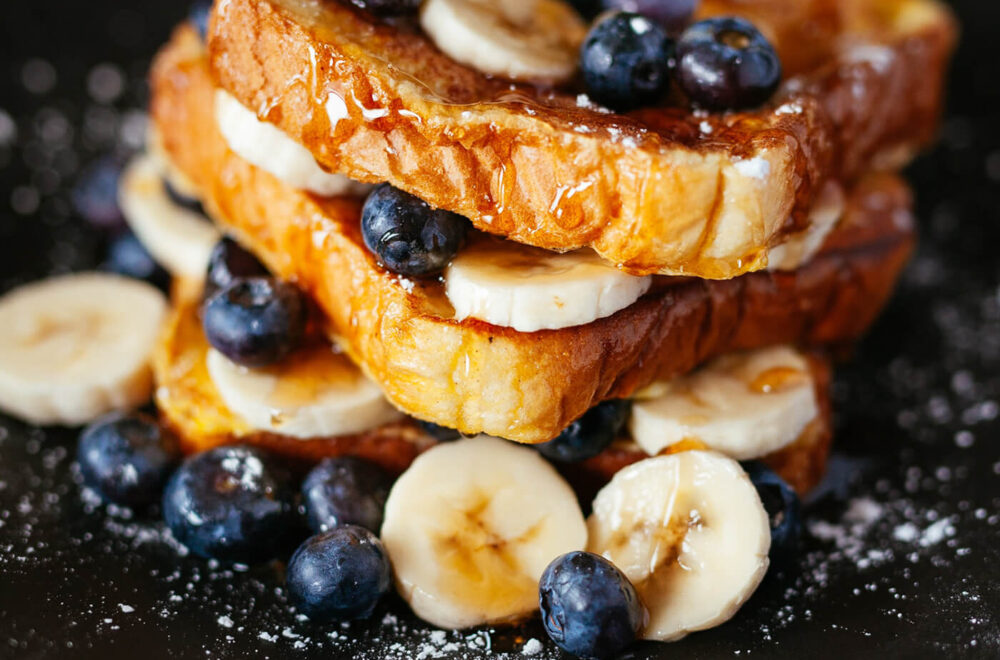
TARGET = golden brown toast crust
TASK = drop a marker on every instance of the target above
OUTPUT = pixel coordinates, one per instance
(660, 190)
(191, 406)
(480, 378)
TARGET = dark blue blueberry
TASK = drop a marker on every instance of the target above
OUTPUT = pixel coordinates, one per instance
(388, 7)
(438, 432)
(184, 201)
(231, 503)
(228, 262)
(95, 194)
(674, 15)
(589, 608)
(198, 15)
(588, 436)
(407, 235)
(345, 491)
(126, 459)
(255, 321)
(783, 508)
(339, 575)
(727, 64)
(625, 61)
(128, 256)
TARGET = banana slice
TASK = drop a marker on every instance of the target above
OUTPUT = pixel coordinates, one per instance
(801, 247)
(471, 526)
(533, 40)
(264, 145)
(690, 532)
(178, 238)
(75, 347)
(529, 289)
(315, 393)
(745, 405)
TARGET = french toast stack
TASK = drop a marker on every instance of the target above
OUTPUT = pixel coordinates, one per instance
(492, 242)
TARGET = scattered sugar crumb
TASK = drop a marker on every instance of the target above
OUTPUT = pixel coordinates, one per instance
(532, 647)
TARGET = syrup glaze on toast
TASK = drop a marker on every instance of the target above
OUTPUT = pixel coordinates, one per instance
(480, 378)
(659, 190)
(192, 407)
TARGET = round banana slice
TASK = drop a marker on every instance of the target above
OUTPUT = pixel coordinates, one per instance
(75, 347)
(178, 238)
(315, 393)
(471, 526)
(533, 40)
(744, 405)
(529, 289)
(690, 532)
(264, 145)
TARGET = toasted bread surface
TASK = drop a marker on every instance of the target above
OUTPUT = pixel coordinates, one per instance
(191, 406)
(660, 190)
(480, 378)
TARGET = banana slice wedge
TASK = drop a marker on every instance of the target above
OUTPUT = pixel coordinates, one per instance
(264, 145)
(529, 289)
(744, 405)
(533, 40)
(178, 238)
(690, 532)
(75, 347)
(315, 393)
(470, 528)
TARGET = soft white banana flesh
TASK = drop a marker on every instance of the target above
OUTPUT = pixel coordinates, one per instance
(471, 526)
(314, 393)
(690, 532)
(744, 405)
(800, 248)
(75, 347)
(534, 40)
(264, 145)
(178, 238)
(529, 289)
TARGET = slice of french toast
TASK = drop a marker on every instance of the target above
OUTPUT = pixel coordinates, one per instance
(191, 405)
(481, 378)
(661, 190)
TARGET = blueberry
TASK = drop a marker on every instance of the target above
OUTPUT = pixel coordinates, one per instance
(726, 64)
(198, 15)
(339, 575)
(255, 321)
(782, 506)
(128, 256)
(95, 194)
(184, 201)
(407, 235)
(231, 503)
(126, 459)
(589, 608)
(388, 7)
(345, 491)
(227, 263)
(438, 432)
(625, 61)
(588, 436)
(673, 15)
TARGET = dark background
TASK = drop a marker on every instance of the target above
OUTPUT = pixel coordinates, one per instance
(902, 559)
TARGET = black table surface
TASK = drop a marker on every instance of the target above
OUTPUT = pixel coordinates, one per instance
(902, 556)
